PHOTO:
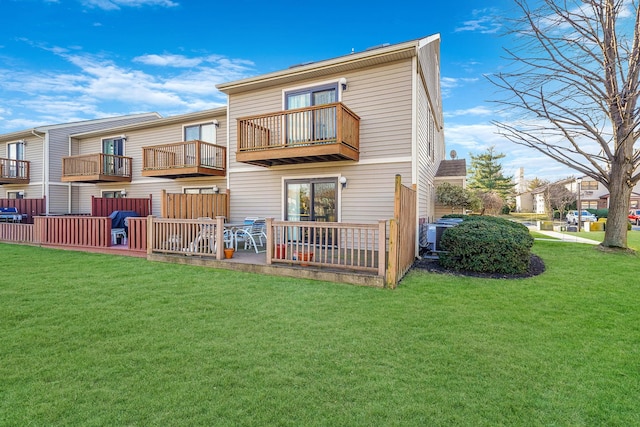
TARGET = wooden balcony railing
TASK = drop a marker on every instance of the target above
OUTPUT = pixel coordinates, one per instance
(184, 159)
(97, 167)
(313, 134)
(14, 171)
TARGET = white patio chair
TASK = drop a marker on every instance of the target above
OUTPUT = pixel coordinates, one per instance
(252, 235)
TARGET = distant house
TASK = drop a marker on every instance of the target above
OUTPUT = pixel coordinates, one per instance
(31, 159)
(454, 172)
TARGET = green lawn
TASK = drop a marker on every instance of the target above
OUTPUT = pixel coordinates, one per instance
(94, 340)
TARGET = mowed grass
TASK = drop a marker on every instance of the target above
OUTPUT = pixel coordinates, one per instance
(88, 339)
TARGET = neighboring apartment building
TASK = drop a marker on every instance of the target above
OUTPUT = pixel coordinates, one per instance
(323, 141)
(180, 154)
(31, 160)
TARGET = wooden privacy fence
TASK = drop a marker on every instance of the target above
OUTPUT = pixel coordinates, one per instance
(360, 247)
(104, 206)
(19, 233)
(137, 234)
(193, 206)
(30, 207)
(185, 236)
(402, 233)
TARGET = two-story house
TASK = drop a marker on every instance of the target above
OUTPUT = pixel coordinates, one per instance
(323, 141)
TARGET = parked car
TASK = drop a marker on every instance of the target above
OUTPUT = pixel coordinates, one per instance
(572, 217)
(634, 216)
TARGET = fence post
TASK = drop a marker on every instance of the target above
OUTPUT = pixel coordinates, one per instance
(382, 247)
(270, 243)
(163, 204)
(219, 237)
(150, 234)
(392, 270)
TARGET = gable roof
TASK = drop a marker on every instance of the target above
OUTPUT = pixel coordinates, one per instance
(367, 58)
(456, 167)
(46, 128)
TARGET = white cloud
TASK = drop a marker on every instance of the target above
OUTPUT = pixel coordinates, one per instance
(167, 60)
(118, 4)
(485, 21)
(480, 110)
(94, 86)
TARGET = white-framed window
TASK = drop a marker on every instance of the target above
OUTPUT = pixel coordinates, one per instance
(15, 151)
(113, 194)
(114, 150)
(201, 190)
(19, 194)
(202, 131)
(311, 125)
(311, 199)
(589, 185)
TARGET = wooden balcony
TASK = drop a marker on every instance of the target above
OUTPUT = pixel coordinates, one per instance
(184, 159)
(97, 167)
(14, 171)
(323, 133)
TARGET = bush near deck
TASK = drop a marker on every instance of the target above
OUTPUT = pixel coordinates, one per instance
(487, 245)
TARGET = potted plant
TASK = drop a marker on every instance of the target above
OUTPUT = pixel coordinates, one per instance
(228, 252)
(305, 257)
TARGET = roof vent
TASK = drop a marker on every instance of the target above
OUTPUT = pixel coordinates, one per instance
(378, 46)
(301, 64)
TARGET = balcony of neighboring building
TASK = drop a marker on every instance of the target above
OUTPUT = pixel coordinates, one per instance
(96, 167)
(323, 133)
(184, 159)
(14, 171)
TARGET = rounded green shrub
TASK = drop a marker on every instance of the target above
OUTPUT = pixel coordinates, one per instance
(487, 245)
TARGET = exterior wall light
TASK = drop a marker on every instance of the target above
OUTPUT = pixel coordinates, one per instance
(343, 181)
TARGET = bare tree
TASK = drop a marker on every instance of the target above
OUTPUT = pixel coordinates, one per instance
(575, 86)
(558, 196)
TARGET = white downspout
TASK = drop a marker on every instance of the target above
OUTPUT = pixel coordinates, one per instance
(45, 166)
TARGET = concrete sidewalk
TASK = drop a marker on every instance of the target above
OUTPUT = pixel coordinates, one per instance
(564, 237)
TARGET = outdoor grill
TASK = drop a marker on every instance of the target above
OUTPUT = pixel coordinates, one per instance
(10, 215)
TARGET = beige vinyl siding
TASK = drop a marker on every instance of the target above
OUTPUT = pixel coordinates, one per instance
(381, 96)
(32, 154)
(143, 186)
(367, 198)
(426, 166)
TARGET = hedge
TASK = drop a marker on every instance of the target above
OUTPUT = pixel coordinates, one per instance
(487, 245)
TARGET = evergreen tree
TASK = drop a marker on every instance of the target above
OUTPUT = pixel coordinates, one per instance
(486, 176)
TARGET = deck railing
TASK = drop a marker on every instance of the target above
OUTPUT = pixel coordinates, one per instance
(96, 164)
(73, 231)
(323, 124)
(360, 247)
(184, 155)
(185, 236)
(11, 169)
(16, 233)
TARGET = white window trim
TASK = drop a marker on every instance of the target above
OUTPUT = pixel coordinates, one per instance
(283, 189)
(311, 86)
(206, 122)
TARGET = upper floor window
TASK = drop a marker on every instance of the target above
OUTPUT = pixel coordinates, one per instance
(204, 132)
(589, 185)
(317, 125)
(307, 97)
(113, 146)
(15, 150)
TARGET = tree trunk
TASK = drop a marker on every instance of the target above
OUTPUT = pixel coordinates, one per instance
(615, 235)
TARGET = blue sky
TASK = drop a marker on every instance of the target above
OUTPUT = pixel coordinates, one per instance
(71, 60)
